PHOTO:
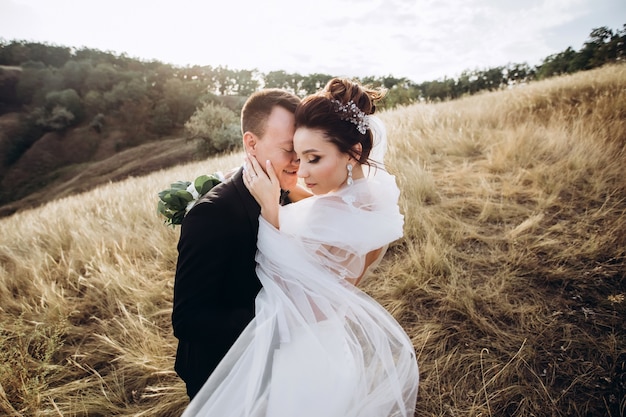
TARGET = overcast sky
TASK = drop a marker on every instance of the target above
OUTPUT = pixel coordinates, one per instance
(421, 40)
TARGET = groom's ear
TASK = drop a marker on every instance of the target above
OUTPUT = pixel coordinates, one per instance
(249, 142)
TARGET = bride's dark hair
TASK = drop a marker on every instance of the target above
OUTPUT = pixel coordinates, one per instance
(325, 111)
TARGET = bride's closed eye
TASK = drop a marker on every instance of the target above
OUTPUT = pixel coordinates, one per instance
(313, 160)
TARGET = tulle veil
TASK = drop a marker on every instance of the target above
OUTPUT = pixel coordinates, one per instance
(319, 346)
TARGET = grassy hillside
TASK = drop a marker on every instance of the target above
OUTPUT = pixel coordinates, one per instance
(510, 278)
(60, 165)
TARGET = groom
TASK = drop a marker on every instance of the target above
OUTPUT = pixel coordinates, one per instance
(216, 284)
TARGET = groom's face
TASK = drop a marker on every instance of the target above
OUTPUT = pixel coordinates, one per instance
(277, 146)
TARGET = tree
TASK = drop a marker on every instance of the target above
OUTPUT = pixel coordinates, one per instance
(94, 103)
(133, 115)
(161, 122)
(58, 118)
(557, 64)
(517, 73)
(618, 44)
(67, 99)
(75, 73)
(97, 123)
(18, 52)
(390, 81)
(276, 79)
(131, 90)
(438, 89)
(14, 54)
(102, 78)
(51, 55)
(158, 76)
(35, 82)
(599, 44)
(285, 81)
(225, 80)
(181, 97)
(400, 96)
(217, 125)
(247, 82)
(313, 83)
(494, 78)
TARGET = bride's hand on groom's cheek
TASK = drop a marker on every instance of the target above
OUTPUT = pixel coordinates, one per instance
(263, 186)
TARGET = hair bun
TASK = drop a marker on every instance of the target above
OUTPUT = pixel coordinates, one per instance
(345, 90)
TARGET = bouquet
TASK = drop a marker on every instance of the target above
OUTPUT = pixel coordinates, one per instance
(176, 201)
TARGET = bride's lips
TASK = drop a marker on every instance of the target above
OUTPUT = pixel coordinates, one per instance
(309, 185)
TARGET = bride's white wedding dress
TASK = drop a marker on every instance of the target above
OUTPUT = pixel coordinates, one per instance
(318, 346)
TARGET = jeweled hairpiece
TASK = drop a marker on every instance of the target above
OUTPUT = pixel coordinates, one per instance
(351, 113)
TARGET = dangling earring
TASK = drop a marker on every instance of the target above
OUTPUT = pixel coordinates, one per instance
(350, 180)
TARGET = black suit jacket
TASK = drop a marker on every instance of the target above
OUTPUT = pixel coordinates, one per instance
(215, 284)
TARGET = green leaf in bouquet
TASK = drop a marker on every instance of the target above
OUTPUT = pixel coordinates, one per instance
(170, 199)
(204, 183)
(161, 209)
(165, 212)
(180, 185)
(177, 218)
(163, 193)
(173, 201)
(184, 195)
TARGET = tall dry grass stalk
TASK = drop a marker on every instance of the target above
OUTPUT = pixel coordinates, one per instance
(509, 279)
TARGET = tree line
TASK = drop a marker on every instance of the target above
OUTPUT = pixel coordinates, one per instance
(56, 87)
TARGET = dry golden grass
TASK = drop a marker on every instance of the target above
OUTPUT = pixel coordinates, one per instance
(509, 279)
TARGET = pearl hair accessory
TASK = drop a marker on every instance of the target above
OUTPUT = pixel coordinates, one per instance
(351, 113)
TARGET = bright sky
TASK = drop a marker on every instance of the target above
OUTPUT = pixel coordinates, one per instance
(421, 40)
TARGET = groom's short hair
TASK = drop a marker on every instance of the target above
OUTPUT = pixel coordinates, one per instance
(259, 106)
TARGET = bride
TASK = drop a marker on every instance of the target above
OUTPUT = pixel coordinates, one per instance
(319, 346)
